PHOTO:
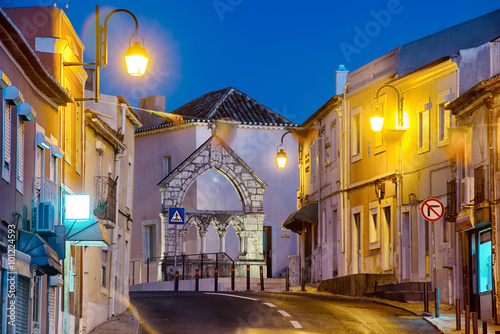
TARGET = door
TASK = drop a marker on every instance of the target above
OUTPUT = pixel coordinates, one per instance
(356, 243)
(386, 239)
(268, 249)
(406, 255)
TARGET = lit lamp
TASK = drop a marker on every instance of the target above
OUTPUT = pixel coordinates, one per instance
(377, 119)
(281, 155)
(136, 57)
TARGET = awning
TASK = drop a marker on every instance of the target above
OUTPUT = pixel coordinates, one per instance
(86, 232)
(43, 257)
(307, 214)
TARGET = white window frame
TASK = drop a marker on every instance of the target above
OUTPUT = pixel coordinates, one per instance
(147, 226)
(333, 142)
(167, 165)
(356, 134)
(444, 117)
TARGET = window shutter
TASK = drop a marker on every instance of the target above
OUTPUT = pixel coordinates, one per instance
(38, 162)
(7, 134)
(446, 124)
(20, 151)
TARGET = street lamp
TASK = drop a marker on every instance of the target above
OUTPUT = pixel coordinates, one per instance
(377, 119)
(281, 157)
(136, 57)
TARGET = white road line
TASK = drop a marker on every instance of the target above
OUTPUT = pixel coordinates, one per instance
(270, 305)
(295, 324)
(283, 313)
(228, 295)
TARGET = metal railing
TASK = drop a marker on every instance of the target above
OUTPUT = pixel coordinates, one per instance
(207, 264)
(105, 198)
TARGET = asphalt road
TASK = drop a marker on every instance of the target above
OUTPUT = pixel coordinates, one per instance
(258, 313)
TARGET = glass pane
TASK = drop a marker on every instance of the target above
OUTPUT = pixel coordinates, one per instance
(484, 256)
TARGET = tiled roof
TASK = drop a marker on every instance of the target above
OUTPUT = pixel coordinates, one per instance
(230, 104)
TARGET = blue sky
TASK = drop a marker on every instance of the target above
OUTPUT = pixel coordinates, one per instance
(283, 54)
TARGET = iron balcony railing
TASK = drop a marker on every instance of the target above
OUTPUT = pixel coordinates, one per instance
(44, 191)
(105, 200)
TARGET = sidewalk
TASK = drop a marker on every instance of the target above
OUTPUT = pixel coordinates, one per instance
(125, 323)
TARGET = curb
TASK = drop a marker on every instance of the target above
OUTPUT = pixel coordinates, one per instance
(135, 313)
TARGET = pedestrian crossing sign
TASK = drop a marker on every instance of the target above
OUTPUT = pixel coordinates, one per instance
(176, 216)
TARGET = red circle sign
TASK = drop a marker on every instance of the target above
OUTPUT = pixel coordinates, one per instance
(432, 209)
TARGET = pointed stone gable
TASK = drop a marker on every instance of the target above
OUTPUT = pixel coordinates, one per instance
(214, 154)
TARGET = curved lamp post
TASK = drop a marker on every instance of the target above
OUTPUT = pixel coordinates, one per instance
(281, 157)
(377, 119)
(136, 57)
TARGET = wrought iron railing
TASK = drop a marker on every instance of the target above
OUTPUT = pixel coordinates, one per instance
(105, 198)
(44, 190)
(187, 265)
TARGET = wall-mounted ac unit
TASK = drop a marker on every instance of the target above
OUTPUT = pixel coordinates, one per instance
(45, 218)
(467, 191)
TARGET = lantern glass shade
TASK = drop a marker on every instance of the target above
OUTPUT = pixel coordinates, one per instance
(136, 60)
(377, 118)
(281, 159)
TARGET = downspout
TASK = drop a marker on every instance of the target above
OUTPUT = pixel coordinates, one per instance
(118, 157)
(344, 177)
(492, 142)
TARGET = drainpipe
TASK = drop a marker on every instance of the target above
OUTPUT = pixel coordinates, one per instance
(344, 177)
(492, 142)
(114, 245)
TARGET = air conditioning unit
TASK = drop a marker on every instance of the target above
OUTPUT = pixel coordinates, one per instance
(45, 218)
(467, 191)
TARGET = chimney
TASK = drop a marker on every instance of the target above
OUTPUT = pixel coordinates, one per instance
(340, 79)
(156, 103)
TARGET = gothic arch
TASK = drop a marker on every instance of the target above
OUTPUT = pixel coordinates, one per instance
(217, 155)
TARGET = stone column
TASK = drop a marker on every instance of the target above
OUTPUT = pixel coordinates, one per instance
(222, 240)
(183, 242)
(203, 236)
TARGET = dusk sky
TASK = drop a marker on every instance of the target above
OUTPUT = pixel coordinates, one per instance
(283, 54)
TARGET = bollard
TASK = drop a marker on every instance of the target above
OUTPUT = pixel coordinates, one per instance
(475, 329)
(426, 297)
(459, 321)
(261, 279)
(176, 282)
(287, 279)
(467, 319)
(197, 280)
(485, 327)
(216, 280)
(232, 277)
(436, 302)
(248, 277)
(303, 279)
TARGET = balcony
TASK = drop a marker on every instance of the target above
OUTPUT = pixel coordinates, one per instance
(44, 191)
(105, 200)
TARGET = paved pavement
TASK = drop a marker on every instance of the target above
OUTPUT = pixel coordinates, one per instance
(446, 323)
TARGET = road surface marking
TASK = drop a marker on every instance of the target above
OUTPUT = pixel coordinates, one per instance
(295, 324)
(283, 313)
(270, 305)
(227, 295)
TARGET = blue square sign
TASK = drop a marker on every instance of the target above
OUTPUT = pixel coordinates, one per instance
(176, 216)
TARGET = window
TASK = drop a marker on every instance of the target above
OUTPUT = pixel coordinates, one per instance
(373, 231)
(444, 125)
(53, 169)
(424, 127)
(20, 156)
(379, 138)
(356, 134)
(103, 275)
(129, 183)
(167, 165)
(78, 137)
(333, 143)
(149, 242)
(6, 141)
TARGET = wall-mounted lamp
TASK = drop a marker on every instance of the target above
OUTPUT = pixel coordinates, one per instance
(377, 119)
(136, 57)
(281, 157)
